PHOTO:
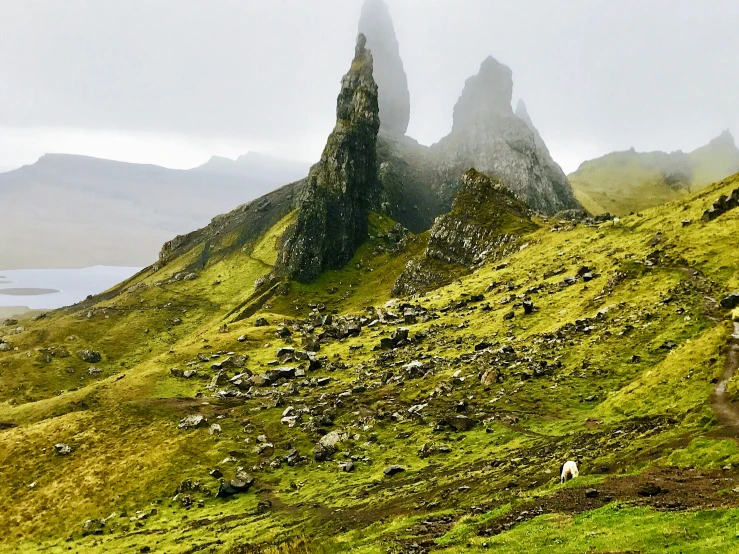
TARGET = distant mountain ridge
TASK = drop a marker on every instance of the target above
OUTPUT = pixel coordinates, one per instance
(69, 210)
(629, 181)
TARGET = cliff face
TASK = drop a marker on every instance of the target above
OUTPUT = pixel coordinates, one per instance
(486, 134)
(334, 206)
(392, 82)
(485, 223)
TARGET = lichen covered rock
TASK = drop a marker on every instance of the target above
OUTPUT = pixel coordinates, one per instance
(486, 223)
(332, 219)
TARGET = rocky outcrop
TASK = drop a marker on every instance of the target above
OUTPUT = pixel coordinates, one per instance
(332, 219)
(486, 223)
(486, 134)
(722, 205)
(392, 82)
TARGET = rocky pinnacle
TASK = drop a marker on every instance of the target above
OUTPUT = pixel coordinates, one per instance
(487, 135)
(332, 218)
(395, 103)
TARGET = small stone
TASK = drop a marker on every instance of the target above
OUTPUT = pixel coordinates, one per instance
(393, 470)
(63, 449)
(192, 422)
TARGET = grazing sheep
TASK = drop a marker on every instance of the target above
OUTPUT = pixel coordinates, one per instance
(568, 471)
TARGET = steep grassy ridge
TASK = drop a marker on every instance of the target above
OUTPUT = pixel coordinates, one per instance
(625, 182)
(614, 370)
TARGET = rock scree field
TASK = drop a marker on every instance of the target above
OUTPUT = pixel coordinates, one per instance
(334, 418)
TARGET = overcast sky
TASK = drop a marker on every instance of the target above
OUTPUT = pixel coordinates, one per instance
(172, 82)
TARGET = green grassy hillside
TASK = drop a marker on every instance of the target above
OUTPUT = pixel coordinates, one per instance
(624, 182)
(614, 367)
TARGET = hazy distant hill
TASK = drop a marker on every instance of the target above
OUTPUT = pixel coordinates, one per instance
(625, 182)
(70, 211)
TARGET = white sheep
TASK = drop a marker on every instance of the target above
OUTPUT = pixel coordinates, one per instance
(568, 471)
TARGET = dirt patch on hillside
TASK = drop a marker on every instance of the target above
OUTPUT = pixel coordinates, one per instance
(669, 489)
(726, 411)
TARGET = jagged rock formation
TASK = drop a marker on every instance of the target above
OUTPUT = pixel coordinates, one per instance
(333, 212)
(630, 181)
(486, 134)
(486, 223)
(395, 101)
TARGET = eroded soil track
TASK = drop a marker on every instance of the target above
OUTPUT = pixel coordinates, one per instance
(727, 412)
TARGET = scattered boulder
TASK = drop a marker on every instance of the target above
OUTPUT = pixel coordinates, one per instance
(89, 356)
(328, 444)
(460, 422)
(722, 205)
(94, 371)
(93, 527)
(192, 422)
(731, 301)
(239, 484)
(62, 449)
(261, 322)
(650, 489)
(393, 470)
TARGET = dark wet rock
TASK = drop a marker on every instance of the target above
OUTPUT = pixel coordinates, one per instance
(460, 422)
(216, 473)
(239, 484)
(284, 332)
(393, 470)
(731, 301)
(261, 322)
(650, 489)
(528, 307)
(89, 356)
(591, 493)
(722, 205)
(333, 213)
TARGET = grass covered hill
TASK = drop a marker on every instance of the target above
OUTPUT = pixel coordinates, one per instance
(624, 182)
(137, 420)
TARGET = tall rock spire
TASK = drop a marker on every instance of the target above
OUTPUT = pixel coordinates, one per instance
(487, 135)
(392, 82)
(332, 218)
